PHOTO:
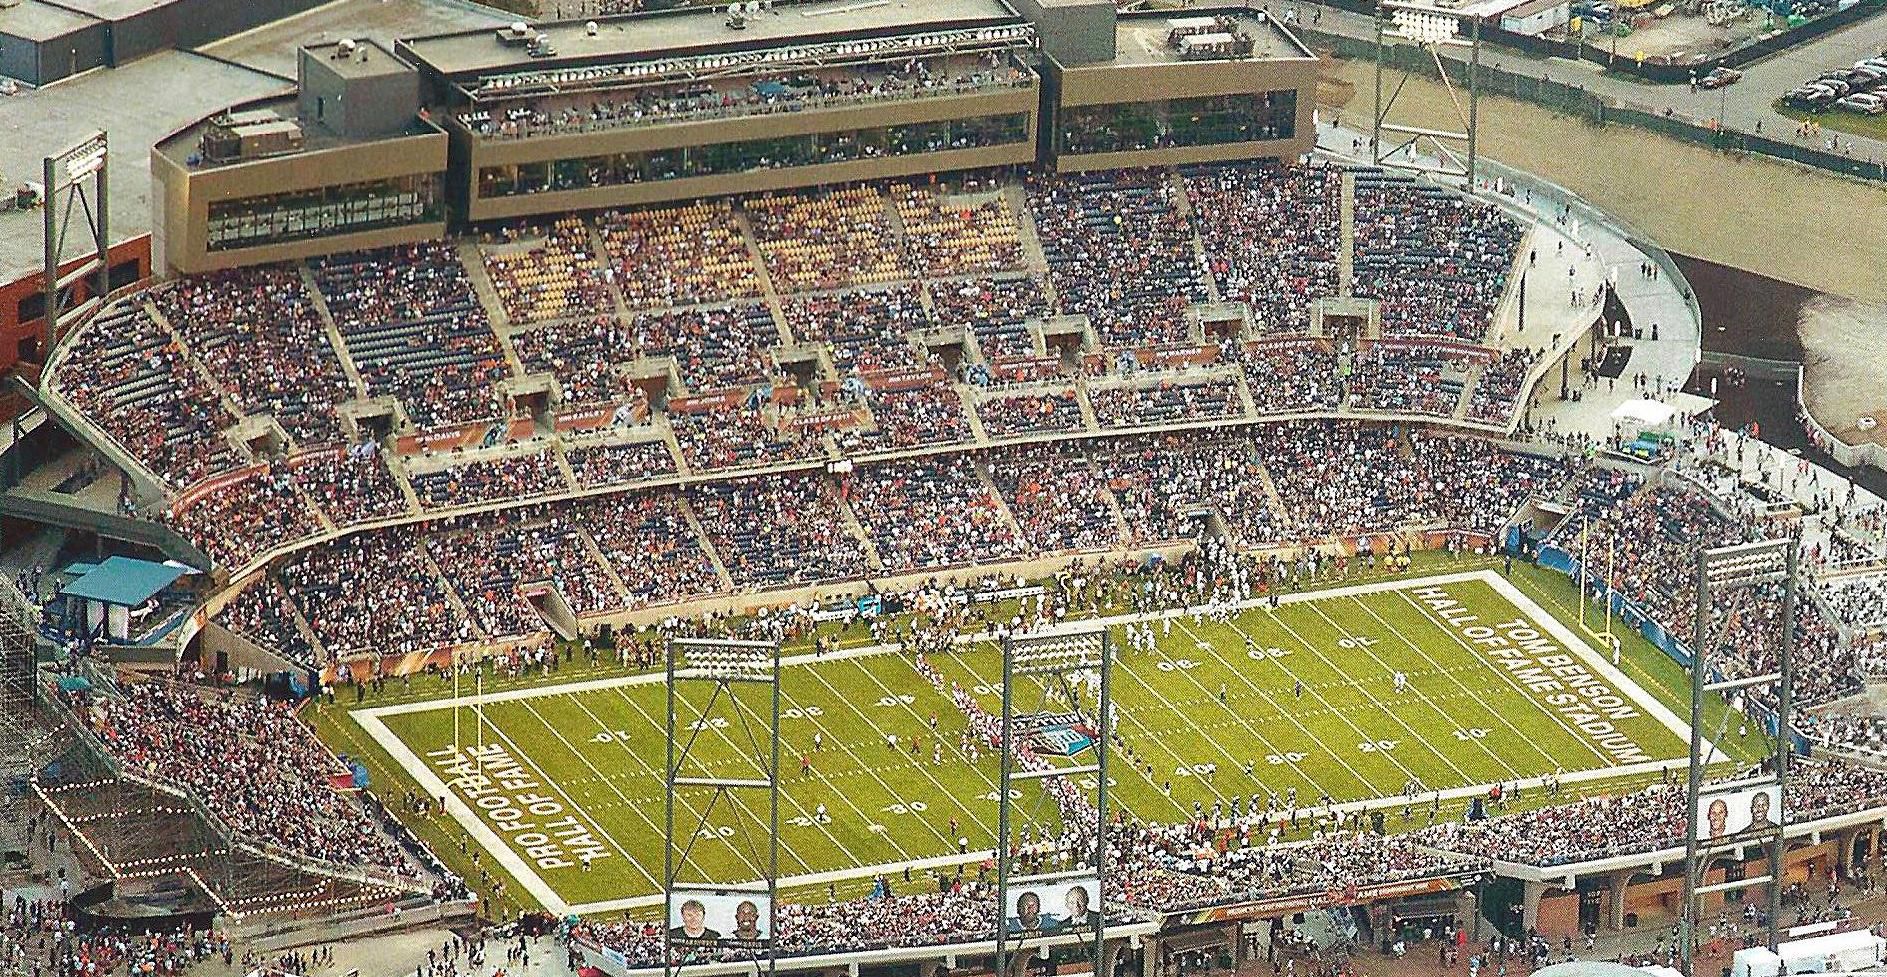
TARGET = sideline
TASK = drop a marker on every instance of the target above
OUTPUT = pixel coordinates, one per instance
(372, 721)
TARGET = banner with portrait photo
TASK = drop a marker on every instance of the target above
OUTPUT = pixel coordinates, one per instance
(708, 918)
(1052, 908)
(1732, 813)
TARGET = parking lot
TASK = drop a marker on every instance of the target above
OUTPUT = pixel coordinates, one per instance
(1858, 89)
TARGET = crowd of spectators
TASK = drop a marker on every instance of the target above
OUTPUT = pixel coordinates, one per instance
(490, 563)
(619, 464)
(257, 332)
(1271, 234)
(1340, 478)
(931, 512)
(133, 378)
(265, 614)
(249, 760)
(1436, 260)
(863, 329)
(1291, 375)
(243, 517)
(1057, 496)
(548, 273)
(415, 330)
(1854, 732)
(1042, 412)
(778, 530)
(490, 480)
(714, 348)
(583, 354)
(646, 539)
(1859, 601)
(943, 239)
(1169, 402)
(1648, 820)
(822, 241)
(1119, 252)
(958, 910)
(352, 485)
(1167, 487)
(739, 436)
(373, 593)
(673, 256)
(1497, 395)
(1653, 537)
(911, 417)
(996, 310)
(1408, 379)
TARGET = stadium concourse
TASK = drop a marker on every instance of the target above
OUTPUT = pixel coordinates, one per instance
(457, 461)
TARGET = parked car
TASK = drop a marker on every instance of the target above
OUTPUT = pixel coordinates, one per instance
(1814, 98)
(1719, 78)
(1864, 103)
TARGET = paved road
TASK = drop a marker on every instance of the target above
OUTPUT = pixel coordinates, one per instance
(1745, 106)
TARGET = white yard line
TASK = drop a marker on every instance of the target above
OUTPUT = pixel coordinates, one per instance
(1592, 658)
(1142, 774)
(1419, 694)
(657, 774)
(1270, 748)
(921, 767)
(1498, 714)
(1340, 714)
(644, 713)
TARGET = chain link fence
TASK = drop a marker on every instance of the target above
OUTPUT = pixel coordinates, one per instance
(1577, 102)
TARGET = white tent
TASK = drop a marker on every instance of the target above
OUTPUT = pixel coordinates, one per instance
(1834, 954)
(1636, 416)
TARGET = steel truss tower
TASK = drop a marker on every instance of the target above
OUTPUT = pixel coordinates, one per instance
(1724, 570)
(20, 735)
(1431, 28)
(739, 702)
(1065, 725)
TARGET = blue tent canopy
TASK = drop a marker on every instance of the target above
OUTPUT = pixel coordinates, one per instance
(123, 581)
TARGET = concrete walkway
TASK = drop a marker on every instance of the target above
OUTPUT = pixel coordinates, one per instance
(1567, 227)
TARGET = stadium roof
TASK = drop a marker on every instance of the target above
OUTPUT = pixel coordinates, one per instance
(272, 47)
(124, 581)
(1141, 38)
(697, 30)
(136, 105)
(35, 21)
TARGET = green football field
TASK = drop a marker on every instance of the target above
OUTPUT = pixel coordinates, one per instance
(1299, 699)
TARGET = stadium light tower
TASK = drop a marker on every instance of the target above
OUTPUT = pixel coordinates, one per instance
(1432, 29)
(706, 917)
(1051, 747)
(75, 179)
(1725, 815)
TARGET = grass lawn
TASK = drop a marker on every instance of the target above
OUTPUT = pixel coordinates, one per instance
(1872, 126)
(1304, 697)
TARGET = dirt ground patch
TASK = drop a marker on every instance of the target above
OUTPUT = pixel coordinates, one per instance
(1816, 230)
(1844, 374)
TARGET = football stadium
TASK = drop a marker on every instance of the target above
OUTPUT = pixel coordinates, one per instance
(964, 489)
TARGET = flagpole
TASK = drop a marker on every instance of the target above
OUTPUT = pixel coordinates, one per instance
(1585, 543)
(1611, 580)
